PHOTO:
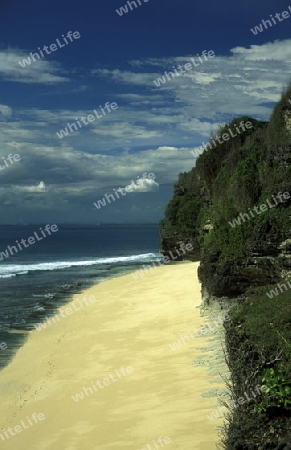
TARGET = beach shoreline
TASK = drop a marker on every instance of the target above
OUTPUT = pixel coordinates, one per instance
(114, 356)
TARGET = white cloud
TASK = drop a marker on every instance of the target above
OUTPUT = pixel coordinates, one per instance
(127, 77)
(272, 51)
(38, 72)
(204, 78)
(5, 111)
(235, 84)
(40, 187)
(202, 127)
(153, 131)
(142, 185)
(185, 110)
(124, 130)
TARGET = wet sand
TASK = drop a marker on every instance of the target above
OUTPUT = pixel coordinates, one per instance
(119, 347)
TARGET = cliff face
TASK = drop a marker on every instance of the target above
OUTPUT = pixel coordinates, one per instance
(232, 209)
(235, 209)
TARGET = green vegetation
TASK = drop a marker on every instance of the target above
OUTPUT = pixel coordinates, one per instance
(259, 349)
(247, 260)
(277, 393)
(236, 175)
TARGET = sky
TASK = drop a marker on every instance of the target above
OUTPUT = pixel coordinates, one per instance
(112, 58)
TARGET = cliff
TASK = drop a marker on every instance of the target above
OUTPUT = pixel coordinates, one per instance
(235, 208)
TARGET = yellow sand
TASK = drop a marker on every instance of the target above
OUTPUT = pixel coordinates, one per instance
(132, 324)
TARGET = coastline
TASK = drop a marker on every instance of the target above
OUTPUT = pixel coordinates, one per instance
(131, 324)
(44, 292)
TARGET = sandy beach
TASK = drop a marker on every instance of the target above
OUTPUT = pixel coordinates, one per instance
(115, 353)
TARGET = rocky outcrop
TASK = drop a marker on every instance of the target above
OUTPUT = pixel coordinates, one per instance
(173, 242)
(230, 180)
(241, 261)
(233, 278)
(236, 277)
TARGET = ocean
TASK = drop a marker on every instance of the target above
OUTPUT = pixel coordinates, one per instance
(39, 279)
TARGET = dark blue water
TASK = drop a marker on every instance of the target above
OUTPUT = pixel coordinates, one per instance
(40, 278)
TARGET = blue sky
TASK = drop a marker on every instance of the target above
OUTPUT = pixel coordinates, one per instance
(116, 59)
